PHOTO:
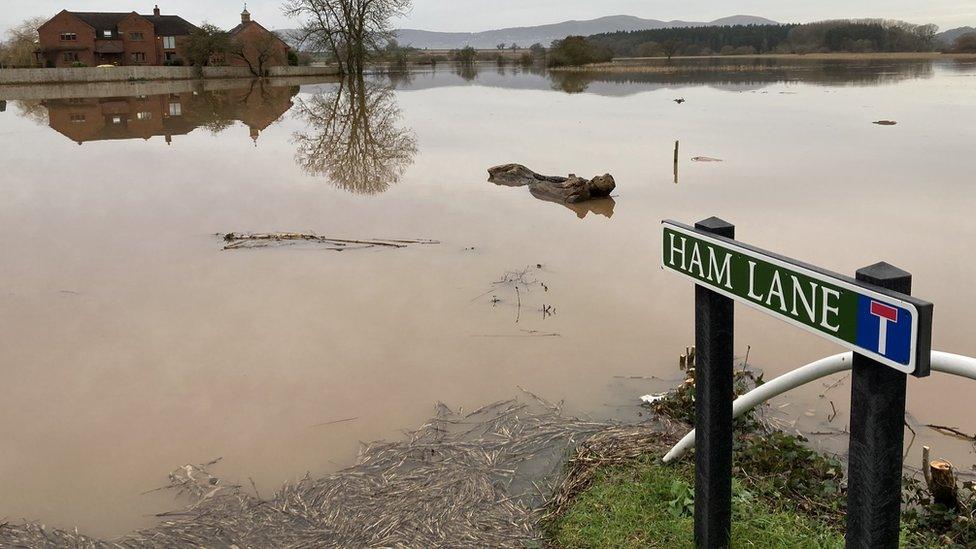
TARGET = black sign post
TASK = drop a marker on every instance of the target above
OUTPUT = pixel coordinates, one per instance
(877, 436)
(874, 315)
(714, 318)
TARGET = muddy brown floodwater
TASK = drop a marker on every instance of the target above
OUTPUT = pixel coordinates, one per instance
(131, 343)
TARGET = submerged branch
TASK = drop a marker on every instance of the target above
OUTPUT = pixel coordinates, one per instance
(236, 241)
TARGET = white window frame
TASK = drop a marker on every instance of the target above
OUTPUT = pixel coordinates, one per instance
(169, 42)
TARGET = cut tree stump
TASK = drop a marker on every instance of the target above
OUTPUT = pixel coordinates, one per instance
(941, 480)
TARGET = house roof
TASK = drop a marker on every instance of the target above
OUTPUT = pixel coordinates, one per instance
(241, 26)
(166, 25)
(171, 25)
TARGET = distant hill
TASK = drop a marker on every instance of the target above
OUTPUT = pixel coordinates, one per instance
(545, 34)
(949, 37)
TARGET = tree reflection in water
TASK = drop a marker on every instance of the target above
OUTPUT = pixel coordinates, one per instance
(353, 137)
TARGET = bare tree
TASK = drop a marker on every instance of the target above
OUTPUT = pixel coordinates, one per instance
(350, 29)
(22, 42)
(671, 47)
(353, 137)
(257, 53)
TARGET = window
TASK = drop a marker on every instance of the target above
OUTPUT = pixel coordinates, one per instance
(175, 109)
(139, 57)
(106, 34)
(71, 56)
(144, 115)
(78, 118)
(137, 36)
(116, 119)
(69, 37)
(169, 42)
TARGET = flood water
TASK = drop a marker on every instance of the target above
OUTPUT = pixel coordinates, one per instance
(132, 343)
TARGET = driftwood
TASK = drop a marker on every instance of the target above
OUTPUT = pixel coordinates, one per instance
(237, 241)
(941, 480)
(571, 190)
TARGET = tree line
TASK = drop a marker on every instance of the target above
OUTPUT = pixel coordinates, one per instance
(861, 35)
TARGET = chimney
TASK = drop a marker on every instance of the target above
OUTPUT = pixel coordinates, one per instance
(156, 11)
(245, 15)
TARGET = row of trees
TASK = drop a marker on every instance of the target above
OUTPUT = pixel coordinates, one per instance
(863, 35)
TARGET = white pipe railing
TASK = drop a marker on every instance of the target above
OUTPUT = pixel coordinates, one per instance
(947, 363)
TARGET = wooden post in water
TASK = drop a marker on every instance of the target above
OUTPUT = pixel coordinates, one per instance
(877, 436)
(714, 318)
(676, 162)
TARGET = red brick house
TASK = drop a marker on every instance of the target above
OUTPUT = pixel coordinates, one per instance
(255, 47)
(98, 38)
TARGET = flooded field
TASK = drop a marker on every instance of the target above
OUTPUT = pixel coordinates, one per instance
(132, 342)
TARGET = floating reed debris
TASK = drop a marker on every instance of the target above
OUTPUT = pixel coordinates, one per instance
(475, 480)
(237, 241)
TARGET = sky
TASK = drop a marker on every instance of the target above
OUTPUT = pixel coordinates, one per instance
(477, 15)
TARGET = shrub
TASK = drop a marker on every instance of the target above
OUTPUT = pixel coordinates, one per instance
(575, 51)
(78, 65)
(965, 43)
(466, 56)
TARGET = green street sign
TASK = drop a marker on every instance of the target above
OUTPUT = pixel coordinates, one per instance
(891, 328)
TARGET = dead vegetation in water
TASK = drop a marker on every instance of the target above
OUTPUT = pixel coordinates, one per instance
(612, 447)
(240, 241)
(480, 479)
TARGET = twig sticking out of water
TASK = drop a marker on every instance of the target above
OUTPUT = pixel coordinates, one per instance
(952, 431)
(236, 241)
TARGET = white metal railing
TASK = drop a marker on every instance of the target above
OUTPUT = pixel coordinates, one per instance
(947, 363)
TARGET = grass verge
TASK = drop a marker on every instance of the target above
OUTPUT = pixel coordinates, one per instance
(784, 493)
(649, 504)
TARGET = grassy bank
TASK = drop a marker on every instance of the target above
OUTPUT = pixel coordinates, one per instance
(649, 504)
(784, 494)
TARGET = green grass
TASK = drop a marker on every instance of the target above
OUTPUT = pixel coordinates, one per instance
(650, 505)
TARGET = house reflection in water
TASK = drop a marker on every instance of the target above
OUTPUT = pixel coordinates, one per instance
(169, 115)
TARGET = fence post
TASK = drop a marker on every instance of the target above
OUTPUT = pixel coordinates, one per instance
(713, 407)
(877, 436)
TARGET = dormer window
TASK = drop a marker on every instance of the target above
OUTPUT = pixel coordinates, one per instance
(106, 34)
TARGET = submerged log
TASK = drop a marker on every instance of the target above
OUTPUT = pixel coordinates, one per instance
(572, 189)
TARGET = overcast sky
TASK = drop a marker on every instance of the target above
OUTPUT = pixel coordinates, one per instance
(475, 15)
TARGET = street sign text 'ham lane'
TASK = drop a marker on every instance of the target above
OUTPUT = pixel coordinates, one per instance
(893, 329)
